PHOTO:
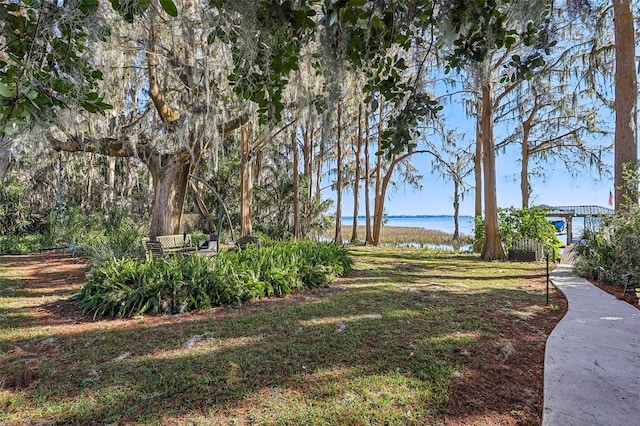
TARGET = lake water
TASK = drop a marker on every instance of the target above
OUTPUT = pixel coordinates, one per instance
(445, 223)
(437, 223)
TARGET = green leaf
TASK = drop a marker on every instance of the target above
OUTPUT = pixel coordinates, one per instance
(5, 91)
(378, 23)
(169, 7)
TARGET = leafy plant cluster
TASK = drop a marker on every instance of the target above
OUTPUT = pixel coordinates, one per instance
(14, 212)
(23, 230)
(42, 60)
(176, 284)
(117, 237)
(613, 252)
(480, 27)
(526, 223)
(19, 227)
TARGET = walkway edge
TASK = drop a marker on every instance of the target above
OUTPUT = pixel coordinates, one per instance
(592, 358)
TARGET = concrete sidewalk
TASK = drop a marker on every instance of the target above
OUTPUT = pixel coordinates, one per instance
(592, 358)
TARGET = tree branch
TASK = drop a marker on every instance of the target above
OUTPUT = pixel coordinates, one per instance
(114, 147)
(167, 114)
(227, 128)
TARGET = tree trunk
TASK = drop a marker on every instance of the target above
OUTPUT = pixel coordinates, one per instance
(307, 160)
(380, 197)
(5, 156)
(246, 181)
(297, 234)
(86, 197)
(492, 249)
(525, 188)
(477, 172)
(356, 182)
(170, 187)
(456, 209)
(626, 101)
(338, 234)
(378, 201)
(108, 195)
(524, 169)
(319, 161)
(368, 237)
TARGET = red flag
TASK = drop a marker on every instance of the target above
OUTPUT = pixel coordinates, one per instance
(610, 198)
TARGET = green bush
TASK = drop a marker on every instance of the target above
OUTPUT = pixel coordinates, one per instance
(75, 226)
(15, 215)
(117, 237)
(22, 244)
(527, 223)
(614, 251)
(176, 284)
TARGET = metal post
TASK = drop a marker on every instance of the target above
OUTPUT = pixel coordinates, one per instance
(547, 278)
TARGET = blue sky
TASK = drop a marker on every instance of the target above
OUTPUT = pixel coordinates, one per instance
(557, 188)
(436, 195)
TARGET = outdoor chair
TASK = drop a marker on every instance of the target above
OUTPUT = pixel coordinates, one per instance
(155, 248)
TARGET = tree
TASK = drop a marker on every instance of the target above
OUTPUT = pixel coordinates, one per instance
(492, 249)
(357, 174)
(180, 69)
(553, 125)
(626, 103)
(481, 30)
(339, 157)
(625, 82)
(557, 117)
(184, 63)
(44, 64)
(388, 166)
(246, 181)
(455, 163)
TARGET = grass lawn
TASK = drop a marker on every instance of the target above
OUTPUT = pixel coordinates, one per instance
(408, 337)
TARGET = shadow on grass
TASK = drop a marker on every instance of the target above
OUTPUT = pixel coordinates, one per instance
(373, 348)
(337, 344)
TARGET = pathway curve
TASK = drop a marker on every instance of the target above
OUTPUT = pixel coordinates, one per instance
(592, 358)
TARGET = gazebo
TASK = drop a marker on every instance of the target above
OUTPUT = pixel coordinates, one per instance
(569, 212)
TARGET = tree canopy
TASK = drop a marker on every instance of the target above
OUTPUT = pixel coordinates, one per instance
(164, 83)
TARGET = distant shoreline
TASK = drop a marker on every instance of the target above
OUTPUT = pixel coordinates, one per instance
(420, 216)
(405, 235)
(442, 223)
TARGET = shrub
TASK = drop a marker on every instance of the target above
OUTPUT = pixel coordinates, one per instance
(73, 227)
(14, 212)
(614, 251)
(118, 237)
(527, 223)
(176, 284)
(13, 244)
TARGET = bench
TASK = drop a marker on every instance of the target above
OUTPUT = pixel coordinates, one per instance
(154, 247)
(166, 244)
(60, 249)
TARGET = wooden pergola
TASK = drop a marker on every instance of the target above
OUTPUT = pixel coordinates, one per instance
(569, 212)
